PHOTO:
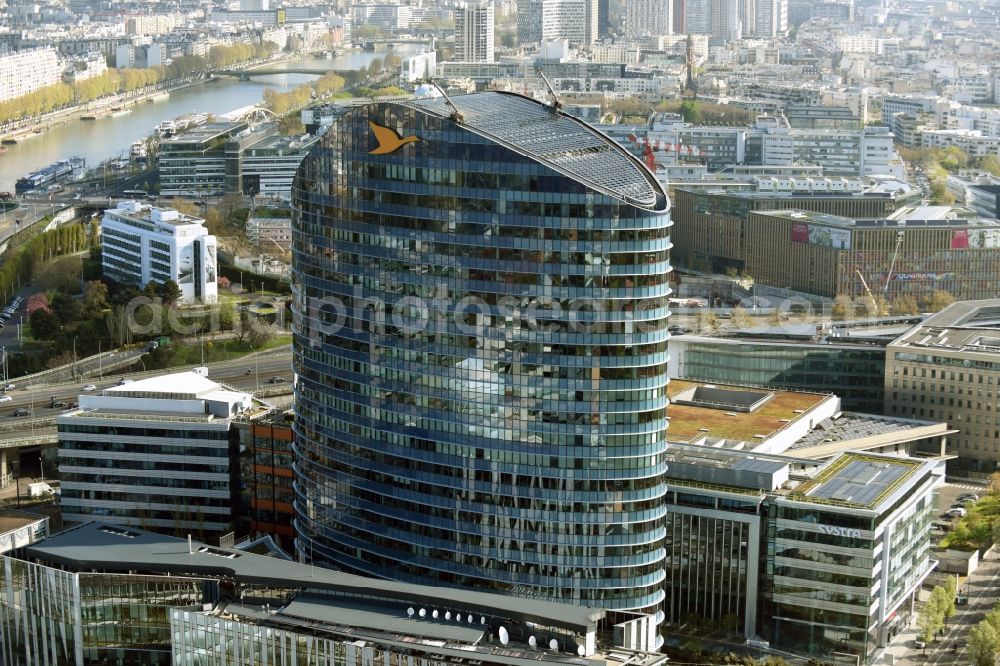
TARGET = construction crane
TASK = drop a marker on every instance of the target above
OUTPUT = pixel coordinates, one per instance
(878, 310)
(892, 264)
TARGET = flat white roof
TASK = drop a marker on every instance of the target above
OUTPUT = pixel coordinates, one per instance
(189, 383)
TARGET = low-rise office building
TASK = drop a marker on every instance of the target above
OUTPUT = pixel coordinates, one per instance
(221, 157)
(794, 424)
(108, 594)
(141, 243)
(711, 226)
(911, 254)
(847, 552)
(156, 453)
(948, 368)
(19, 529)
(853, 370)
(815, 559)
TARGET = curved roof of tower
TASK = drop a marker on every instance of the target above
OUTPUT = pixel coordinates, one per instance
(555, 139)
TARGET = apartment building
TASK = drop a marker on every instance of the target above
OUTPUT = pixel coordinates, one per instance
(948, 368)
(22, 72)
(154, 453)
(142, 244)
(474, 31)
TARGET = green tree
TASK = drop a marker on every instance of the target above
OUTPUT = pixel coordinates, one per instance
(940, 194)
(44, 324)
(983, 644)
(931, 619)
(690, 112)
(170, 292)
(990, 164)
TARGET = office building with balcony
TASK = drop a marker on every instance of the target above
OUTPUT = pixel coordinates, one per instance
(155, 453)
(100, 593)
(948, 368)
(142, 244)
(481, 291)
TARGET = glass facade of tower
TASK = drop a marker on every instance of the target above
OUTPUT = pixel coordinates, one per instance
(481, 352)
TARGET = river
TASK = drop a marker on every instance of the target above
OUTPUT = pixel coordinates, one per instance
(97, 140)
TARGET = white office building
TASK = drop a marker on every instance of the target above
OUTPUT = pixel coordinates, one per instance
(474, 32)
(142, 244)
(22, 72)
(153, 453)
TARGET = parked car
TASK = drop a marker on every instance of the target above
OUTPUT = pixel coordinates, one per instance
(956, 512)
(123, 382)
(961, 600)
(968, 497)
(5, 398)
(919, 644)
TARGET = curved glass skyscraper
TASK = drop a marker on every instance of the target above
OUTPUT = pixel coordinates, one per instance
(481, 351)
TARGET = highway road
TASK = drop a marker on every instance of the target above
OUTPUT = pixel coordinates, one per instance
(262, 368)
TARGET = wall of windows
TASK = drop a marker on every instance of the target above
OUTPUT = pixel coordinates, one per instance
(50, 617)
(480, 347)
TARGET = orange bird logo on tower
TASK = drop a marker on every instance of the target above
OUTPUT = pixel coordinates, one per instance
(388, 140)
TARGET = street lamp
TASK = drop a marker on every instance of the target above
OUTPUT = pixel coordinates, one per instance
(41, 467)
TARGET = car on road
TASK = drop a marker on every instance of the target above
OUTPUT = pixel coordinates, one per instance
(277, 379)
(60, 404)
(21, 411)
(5, 398)
(961, 600)
(89, 387)
(9, 387)
(123, 382)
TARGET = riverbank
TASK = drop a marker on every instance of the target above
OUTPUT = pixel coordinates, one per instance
(104, 106)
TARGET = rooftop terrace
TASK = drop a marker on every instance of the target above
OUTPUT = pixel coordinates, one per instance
(689, 422)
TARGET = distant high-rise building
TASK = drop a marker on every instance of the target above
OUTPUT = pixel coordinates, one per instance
(696, 13)
(771, 18)
(529, 22)
(573, 20)
(459, 420)
(603, 19)
(254, 5)
(644, 18)
(724, 19)
(680, 17)
(474, 32)
(748, 17)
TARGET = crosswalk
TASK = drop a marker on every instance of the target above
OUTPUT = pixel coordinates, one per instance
(966, 486)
